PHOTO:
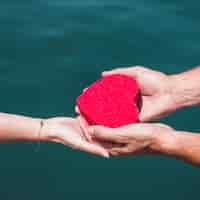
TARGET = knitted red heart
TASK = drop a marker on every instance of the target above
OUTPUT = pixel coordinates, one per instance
(110, 101)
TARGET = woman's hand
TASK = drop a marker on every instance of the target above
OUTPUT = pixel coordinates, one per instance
(68, 132)
(156, 91)
(136, 139)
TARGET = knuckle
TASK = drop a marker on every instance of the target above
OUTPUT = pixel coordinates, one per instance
(139, 68)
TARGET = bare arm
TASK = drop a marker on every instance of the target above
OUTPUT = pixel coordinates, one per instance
(64, 130)
(19, 128)
(185, 146)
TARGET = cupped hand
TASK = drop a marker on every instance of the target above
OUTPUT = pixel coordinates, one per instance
(69, 132)
(155, 87)
(136, 139)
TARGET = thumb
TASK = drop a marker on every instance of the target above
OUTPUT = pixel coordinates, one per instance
(106, 134)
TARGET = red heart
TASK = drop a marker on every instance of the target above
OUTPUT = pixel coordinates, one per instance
(110, 101)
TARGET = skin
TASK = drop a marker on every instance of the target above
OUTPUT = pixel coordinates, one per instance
(168, 93)
(146, 138)
(161, 95)
(63, 130)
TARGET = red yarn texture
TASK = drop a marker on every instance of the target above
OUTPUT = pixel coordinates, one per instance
(110, 101)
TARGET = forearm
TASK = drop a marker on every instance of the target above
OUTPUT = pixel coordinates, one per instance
(19, 128)
(185, 88)
(181, 145)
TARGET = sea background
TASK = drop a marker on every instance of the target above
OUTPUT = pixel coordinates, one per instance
(50, 50)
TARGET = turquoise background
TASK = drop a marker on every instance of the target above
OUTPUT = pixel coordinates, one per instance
(50, 50)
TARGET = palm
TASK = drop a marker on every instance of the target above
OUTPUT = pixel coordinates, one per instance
(69, 132)
(154, 98)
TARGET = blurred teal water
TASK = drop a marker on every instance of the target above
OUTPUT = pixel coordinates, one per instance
(50, 50)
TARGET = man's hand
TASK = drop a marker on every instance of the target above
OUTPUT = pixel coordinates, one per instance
(136, 139)
(156, 91)
(69, 132)
(144, 138)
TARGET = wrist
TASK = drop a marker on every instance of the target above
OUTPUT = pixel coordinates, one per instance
(185, 91)
(35, 133)
(165, 143)
(48, 131)
(181, 145)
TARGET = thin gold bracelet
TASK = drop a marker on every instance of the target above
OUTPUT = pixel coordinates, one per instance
(39, 135)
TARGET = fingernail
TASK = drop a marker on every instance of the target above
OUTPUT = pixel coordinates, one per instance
(105, 154)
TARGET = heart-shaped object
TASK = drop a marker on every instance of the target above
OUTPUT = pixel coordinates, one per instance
(111, 101)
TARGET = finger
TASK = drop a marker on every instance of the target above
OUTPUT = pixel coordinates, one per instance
(85, 89)
(124, 134)
(130, 71)
(93, 148)
(116, 151)
(125, 150)
(125, 71)
(106, 134)
(77, 110)
(105, 144)
(84, 127)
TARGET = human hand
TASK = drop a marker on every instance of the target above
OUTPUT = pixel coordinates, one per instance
(136, 139)
(68, 131)
(156, 91)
